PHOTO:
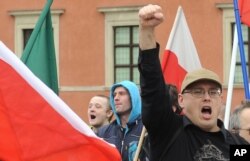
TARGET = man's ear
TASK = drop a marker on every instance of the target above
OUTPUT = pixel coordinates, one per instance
(110, 113)
(180, 100)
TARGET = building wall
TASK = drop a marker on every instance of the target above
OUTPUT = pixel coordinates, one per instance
(81, 41)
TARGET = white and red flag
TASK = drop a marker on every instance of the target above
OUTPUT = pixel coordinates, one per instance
(36, 125)
(180, 55)
(244, 8)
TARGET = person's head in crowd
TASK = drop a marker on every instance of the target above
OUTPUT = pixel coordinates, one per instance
(125, 101)
(201, 98)
(99, 111)
(173, 91)
(240, 120)
(124, 132)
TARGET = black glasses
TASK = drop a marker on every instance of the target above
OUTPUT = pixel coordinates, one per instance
(246, 130)
(236, 130)
(200, 92)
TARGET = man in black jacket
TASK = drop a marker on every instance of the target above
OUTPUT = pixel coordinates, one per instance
(198, 135)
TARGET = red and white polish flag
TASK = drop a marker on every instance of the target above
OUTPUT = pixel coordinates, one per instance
(180, 55)
(36, 125)
(244, 9)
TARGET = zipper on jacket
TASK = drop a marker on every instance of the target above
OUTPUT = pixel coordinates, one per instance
(122, 146)
(124, 134)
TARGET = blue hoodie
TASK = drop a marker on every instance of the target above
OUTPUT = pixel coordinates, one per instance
(125, 139)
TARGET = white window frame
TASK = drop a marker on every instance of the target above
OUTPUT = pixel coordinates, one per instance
(28, 20)
(228, 19)
(115, 16)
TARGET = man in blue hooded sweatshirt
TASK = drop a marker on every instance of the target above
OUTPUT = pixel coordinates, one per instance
(124, 132)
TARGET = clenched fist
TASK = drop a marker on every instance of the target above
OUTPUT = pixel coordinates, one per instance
(150, 16)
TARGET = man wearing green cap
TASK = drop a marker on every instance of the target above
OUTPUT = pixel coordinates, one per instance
(196, 136)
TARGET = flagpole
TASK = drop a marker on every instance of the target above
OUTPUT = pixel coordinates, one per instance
(140, 144)
(242, 53)
(231, 80)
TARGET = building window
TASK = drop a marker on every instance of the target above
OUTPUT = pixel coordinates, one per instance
(26, 36)
(126, 50)
(25, 22)
(238, 78)
(228, 33)
(121, 44)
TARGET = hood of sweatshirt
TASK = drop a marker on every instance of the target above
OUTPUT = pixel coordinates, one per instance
(135, 99)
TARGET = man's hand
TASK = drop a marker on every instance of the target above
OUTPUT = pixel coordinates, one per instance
(150, 16)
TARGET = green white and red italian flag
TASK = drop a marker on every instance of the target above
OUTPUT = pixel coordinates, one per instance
(36, 125)
(180, 55)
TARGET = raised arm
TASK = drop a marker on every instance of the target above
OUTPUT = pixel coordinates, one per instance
(154, 92)
(157, 114)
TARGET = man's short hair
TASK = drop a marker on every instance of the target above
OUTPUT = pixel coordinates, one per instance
(234, 124)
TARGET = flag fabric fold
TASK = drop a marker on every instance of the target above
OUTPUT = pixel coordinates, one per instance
(39, 53)
(36, 125)
(244, 9)
(180, 55)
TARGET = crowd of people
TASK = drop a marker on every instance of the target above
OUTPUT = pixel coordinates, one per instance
(181, 126)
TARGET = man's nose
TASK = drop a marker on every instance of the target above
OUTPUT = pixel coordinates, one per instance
(116, 97)
(206, 95)
(91, 108)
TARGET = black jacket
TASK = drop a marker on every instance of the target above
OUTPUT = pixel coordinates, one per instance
(125, 142)
(161, 122)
